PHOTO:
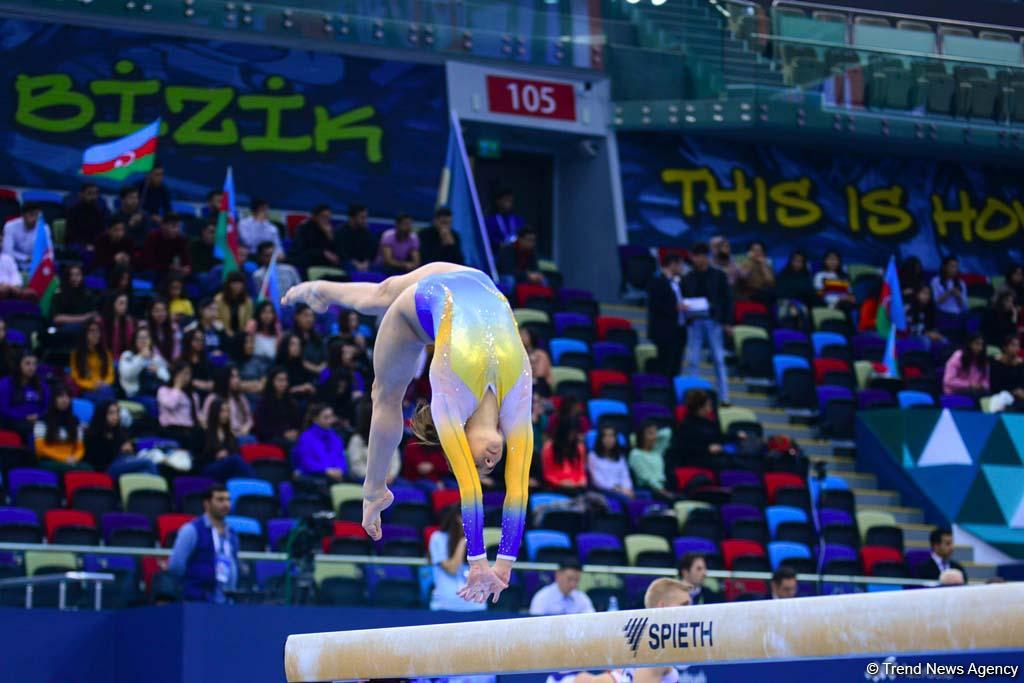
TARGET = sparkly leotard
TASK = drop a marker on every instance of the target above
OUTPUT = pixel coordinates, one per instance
(477, 349)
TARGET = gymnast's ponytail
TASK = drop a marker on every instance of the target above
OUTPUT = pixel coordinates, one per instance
(422, 426)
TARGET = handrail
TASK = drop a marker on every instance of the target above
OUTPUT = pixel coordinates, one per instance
(850, 11)
(422, 562)
(62, 580)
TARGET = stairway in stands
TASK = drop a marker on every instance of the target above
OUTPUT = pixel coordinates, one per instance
(840, 460)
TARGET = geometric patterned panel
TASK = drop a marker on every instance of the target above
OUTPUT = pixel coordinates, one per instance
(887, 426)
(945, 485)
(945, 446)
(1007, 484)
(918, 426)
(975, 428)
(980, 506)
(1014, 425)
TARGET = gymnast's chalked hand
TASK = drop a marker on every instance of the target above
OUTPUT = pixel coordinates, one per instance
(306, 293)
(373, 505)
(481, 583)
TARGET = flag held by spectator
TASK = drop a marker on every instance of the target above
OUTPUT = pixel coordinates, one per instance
(225, 246)
(42, 270)
(121, 158)
(270, 289)
(891, 316)
(457, 191)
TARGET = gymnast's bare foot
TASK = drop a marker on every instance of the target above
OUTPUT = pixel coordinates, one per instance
(373, 504)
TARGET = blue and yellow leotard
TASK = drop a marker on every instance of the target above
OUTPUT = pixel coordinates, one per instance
(477, 348)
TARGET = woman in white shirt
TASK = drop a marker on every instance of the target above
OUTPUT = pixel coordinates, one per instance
(448, 558)
(266, 331)
(606, 464)
(142, 370)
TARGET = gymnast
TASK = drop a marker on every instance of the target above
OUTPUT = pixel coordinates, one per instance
(481, 389)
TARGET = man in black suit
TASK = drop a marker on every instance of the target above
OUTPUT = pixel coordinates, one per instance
(693, 569)
(666, 326)
(941, 541)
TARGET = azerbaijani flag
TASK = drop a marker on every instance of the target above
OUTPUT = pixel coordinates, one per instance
(121, 158)
(270, 289)
(225, 246)
(891, 316)
(42, 270)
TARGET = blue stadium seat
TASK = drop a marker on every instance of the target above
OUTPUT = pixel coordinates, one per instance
(779, 514)
(778, 551)
(684, 383)
(248, 487)
(559, 346)
(783, 362)
(597, 407)
(544, 538)
(909, 398)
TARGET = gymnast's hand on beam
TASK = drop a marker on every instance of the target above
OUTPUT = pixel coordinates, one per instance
(306, 293)
(482, 583)
(373, 505)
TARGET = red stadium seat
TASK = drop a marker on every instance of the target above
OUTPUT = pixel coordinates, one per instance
(293, 221)
(599, 378)
(870, 555)
(427, 533)
(261, 451)
(607, 322)
(10, 439)
(739, 547)
(169, 524)
(90, 480)
(56, 519)
(528, 290)
(773, 481)
(349, 530)
(823, 366)
(684, 475)
(741, 309)
(973, 279)
(443, 498)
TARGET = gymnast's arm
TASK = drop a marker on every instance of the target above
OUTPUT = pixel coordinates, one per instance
(516, 423)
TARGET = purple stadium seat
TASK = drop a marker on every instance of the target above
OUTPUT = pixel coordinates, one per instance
(603, 349)
(184, 486)
(108, 563)
(278, 530)
(285, 491)
(589, 541)
(10, 307)
(783, 336)
(493, 499)
(643, 411)
(399, 532)
(829, 392)
(567, 294)
(836, 552)
(730, 478)
(694, 544)
(367, 276)
(24, 476)
(957, 402)
(828, 516)
(375, 573)
(265, 570)
(113, 521)
(408, 494)
(905, 344)
(643, 381)
(868, 346)
(639, 507)
(731, 512)
(875, 398)
(565, 320)
(915, 558)
(16, 337)
(10, 516)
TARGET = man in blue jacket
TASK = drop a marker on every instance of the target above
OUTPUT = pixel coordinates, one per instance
(205, 553)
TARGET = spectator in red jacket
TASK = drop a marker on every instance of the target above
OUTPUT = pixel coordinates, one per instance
(166, 249)
(422, 462)
(565, 459)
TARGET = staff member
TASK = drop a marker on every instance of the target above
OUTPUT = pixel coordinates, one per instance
(205, 553)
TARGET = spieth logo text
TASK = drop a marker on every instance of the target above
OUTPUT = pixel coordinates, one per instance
(675, 635)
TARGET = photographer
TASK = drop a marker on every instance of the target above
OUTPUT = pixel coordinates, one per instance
(205, 553)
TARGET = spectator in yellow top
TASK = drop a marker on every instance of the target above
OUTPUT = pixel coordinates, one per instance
(234, 305)
(92, 365)
(58, 436)
(180, 305)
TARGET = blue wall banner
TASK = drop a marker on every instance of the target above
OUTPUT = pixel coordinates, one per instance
(299, 127)
(679, 189)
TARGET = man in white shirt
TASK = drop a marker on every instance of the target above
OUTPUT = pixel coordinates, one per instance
(20, 234)
(255, 229)
(287, 276)
(563, 596)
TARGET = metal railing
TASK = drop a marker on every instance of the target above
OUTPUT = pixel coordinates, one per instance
(850, 12)
(29, 583)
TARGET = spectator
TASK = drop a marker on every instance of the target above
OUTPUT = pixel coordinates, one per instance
(193, 352)
(313, 353)
(92, 365)
(114, 247)
(447, 551)
(257, 228)
(178, 406)
(319, 452)
(118, 325)
(201, 249)
(20, 234)
(698, 440)
(58, 435)
(950, 296)
(439, 242)
(1000, 319)
(315, 242)
(209, 324)
(252, 369)
(289, 356)
(166, 249)
(540, 362)
(1014, 282)
(518, 261)
(426, 463)
(357, 245)
(941, 559)
(336, 391)
(143, 370)
(108, 448)
(783, 583)
(211, 210)
(721, 258)
(23, 396)
(1007, 371)
(693, 570)
(666, 321)
(120, 280)
(504, 225)
(130, 214)
(234, 305)
(179, 305)
(794, 282)
(12, 283)
(966, 370)
(563, 596)
(205, 553)
(569, 410)
(911, 274)
(220, 459)
(399, 247)
(165, 333)
(832, 284)
(6, 352)
(73, 304)
(278, 417)
(154, 197)
(358, 445)
(755, 279)
(921, 320)
(607, 466)
(266, 332)
(647, 459)
(867, 320)
(564, 460)
(287, 276)
(227, 389)
(350, 330)
(86, 218)
(706, 326)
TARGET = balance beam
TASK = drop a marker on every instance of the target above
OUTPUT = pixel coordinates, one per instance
(927, 620)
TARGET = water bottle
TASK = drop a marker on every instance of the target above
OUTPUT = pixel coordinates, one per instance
(613, 604)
